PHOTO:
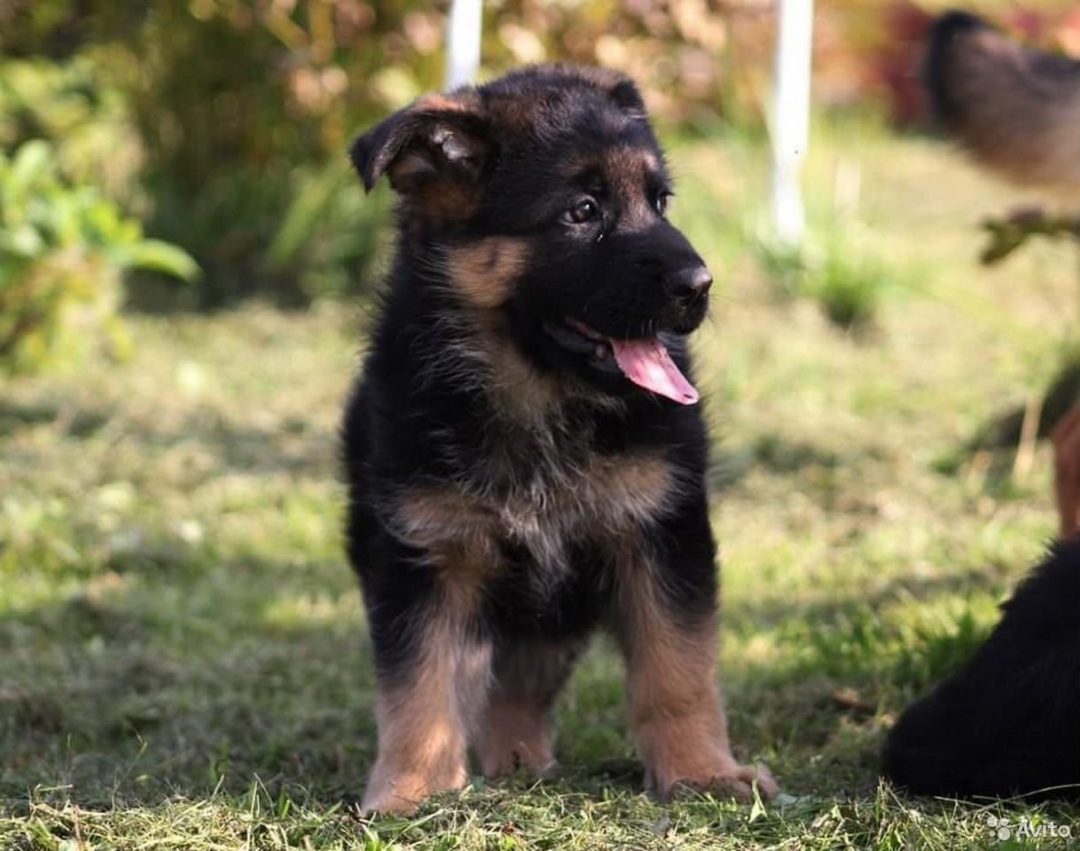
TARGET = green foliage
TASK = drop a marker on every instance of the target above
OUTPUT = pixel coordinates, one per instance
(848, 285)
(1008, 233)
(85, 119)
(63, 252)
(245, 111)
(242, 110)
(843, 277)
(783, 266)
(223, 126)
(330, 233)
(928, 644)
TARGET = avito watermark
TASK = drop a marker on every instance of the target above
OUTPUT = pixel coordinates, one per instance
(1004, 829)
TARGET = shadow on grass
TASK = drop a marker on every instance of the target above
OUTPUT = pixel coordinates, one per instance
(291, 445)
(78, 422)
(846, 666)
(186, 676)
(174, 670)
(148, 687)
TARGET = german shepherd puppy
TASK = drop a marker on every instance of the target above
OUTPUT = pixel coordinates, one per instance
(1015, 109)
(1008, 722)
(524, 452)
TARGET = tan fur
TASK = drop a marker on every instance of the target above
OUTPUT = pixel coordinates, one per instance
(456, 102)
(607, 498)
(515, 735)
(627, 170)
(516, 731)
(483, 273)
(484, 357)
(534, 488)
(455, 533)
(484, 270)
(1011, 115)
(675, 709)
(461, 533)
(424, 723)
(521, 391)
(628, 487)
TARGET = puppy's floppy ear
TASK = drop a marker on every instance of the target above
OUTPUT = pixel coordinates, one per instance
(439, 140)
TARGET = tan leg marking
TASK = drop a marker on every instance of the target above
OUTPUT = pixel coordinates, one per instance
(516, 733)
(424, 722)
(675, 708)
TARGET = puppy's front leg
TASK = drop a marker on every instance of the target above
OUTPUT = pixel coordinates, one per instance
(433, 670)
(666, 625)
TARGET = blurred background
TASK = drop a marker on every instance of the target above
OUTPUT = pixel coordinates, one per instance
(218, 126)
(186, 271)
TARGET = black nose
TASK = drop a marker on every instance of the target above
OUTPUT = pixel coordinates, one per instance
(689, 285)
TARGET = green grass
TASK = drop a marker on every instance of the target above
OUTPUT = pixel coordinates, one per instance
(183, 661)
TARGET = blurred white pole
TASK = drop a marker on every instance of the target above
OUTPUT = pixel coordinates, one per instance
(791, 117)
(463, 42)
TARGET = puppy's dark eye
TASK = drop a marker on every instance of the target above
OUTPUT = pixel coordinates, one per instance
(585, 210)
(662, 198)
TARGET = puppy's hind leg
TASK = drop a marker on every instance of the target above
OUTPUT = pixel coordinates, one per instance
(516, 729)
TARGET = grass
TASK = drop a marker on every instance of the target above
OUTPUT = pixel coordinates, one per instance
(183, 662)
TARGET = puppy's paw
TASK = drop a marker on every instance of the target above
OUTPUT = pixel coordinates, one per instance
(512, 757)
(723, 775)
(516, 738)
(740, 782)
(403, 793)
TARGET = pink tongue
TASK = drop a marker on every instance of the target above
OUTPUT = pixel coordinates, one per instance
(648, 364)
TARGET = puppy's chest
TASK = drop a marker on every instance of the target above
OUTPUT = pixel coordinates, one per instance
(544, 511)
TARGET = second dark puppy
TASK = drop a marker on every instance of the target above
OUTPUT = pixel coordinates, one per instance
(1008, 722)
(524, 455)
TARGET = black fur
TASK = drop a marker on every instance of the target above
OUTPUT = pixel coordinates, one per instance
(1007, 723)
(946, 30)
(511, 161)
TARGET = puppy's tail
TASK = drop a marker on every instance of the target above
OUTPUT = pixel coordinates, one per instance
(1014, 109)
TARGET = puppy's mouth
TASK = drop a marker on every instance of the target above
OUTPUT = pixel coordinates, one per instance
(645, 361)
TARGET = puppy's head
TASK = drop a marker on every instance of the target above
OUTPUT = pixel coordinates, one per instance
(544, 194)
